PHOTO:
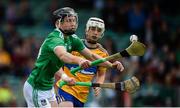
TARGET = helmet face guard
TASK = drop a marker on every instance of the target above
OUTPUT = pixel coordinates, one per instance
(96, 22)
(61, 13)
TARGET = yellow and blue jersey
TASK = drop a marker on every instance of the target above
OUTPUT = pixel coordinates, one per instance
(86, 75)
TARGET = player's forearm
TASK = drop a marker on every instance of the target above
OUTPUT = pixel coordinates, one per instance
(100, 78)
(66, 57)
(71, 59)
(92, 56)
(106, 64)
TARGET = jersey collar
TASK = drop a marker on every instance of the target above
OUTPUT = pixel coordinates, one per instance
(60, 33)
(88, 46)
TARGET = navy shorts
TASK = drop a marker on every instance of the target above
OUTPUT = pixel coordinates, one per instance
(64, 96)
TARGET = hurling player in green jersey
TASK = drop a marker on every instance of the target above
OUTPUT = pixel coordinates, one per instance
(54, 52)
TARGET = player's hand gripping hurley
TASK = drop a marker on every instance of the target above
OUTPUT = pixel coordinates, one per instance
(131, 85)
(135, 49)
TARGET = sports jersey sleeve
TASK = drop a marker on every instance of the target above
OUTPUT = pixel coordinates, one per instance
(105, 54)
(55, 41)
(102, 68)
(79, 46)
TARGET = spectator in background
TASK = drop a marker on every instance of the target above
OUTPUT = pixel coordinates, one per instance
(98, 4)
(177, 53)
(121, 19)
(28, 66)
(168, 92)
(86, 4)
(51, 8)
(163, 35)
(109, 13)
(149, 94)
(25, 16)
(11, 37)
(110, 45)
(176, 44)
(11, 12)
(136, 20)
(34, 45)
(7, 98)
(148, 32)
(20, 57)
(170, 61)
(2, 12)
(5, 58)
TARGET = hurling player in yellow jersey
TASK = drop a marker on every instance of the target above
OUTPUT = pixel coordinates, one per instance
(76, 96)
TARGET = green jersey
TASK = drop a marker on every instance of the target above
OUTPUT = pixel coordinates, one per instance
(47, 63)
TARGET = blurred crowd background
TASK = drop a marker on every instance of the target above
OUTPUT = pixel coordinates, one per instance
(25, 23)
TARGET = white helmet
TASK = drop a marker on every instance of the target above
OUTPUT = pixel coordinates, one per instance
(95, 22)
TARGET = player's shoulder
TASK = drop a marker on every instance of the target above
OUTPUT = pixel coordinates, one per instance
(56, 33)
(101, 48)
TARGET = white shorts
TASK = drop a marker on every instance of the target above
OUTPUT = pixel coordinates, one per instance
(38, 98)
